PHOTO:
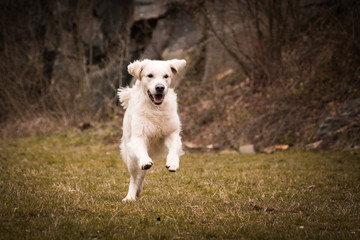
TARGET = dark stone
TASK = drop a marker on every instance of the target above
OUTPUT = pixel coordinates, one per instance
(85, 126)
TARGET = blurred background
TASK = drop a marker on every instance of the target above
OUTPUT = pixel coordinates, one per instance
(260, 72)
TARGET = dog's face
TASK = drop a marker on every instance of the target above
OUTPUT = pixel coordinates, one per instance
(155, 76)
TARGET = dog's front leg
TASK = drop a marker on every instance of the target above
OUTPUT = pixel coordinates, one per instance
(173, 143)
(138, 150)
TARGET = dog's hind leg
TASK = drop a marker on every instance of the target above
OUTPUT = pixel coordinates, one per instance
(131, 195)
(173, 143)
(140, 182)
(136, 184)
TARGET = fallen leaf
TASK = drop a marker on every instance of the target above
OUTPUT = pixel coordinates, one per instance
(269, 150)
(210, 146)
(227, 151)
(281, 147)
(314, 145)
(274, 148)
(191, 145)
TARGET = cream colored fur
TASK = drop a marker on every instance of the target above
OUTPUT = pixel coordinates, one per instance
(150, 131)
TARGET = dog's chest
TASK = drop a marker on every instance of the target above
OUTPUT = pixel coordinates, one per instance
(159, 124)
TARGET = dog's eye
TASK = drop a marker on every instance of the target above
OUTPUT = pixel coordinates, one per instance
(166, 76)
(150, 76)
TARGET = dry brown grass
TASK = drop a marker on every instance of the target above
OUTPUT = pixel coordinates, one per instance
(69, 185)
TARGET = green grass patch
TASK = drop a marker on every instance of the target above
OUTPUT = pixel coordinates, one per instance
(69, 185)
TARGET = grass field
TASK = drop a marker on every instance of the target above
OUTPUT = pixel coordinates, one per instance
(69, 185)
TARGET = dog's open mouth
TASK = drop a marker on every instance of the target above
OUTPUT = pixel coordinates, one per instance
(157, 99)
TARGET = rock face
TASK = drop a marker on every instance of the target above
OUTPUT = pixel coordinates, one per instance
(89, 53)
(74, 55)
(344, 125)
(163, 30)
(87, 44)
(70, 57)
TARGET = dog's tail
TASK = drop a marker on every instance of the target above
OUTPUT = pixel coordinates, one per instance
(124, 96)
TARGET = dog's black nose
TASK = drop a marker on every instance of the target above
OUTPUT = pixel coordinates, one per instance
(159, 88)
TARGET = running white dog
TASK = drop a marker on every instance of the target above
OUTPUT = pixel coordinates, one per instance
(151, 126)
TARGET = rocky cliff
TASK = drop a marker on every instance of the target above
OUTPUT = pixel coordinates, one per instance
(259, 72)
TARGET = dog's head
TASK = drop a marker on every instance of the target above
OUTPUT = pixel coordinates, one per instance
(155, 76)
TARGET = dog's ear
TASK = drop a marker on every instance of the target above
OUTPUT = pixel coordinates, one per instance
(135, 69)
(176, 65)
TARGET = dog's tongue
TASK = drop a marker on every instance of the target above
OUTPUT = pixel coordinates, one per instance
(158, 98)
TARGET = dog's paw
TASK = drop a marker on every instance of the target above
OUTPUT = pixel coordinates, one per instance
(145, 165)
(128, 199)
(172, 167)
(172, 163)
